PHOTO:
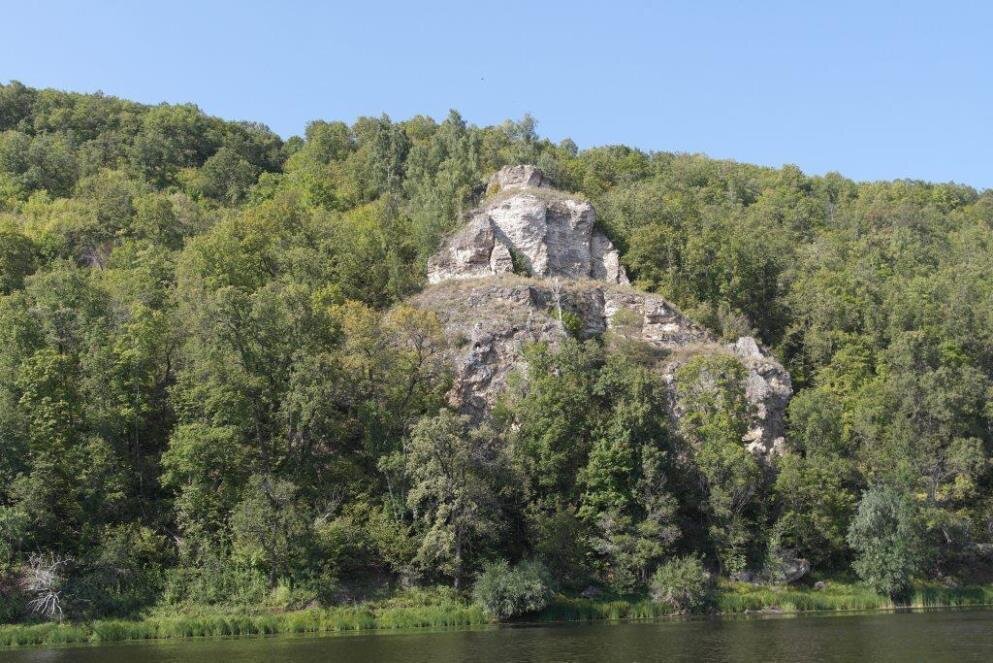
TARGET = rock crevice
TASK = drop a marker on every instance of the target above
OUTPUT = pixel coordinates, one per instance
(527, 227)
(530, 252)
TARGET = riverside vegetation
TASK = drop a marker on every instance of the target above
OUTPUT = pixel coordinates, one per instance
(214, 395)
(439, 609)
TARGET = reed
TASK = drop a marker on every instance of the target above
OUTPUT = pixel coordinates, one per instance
(735, 598)
(433, 610)
(208, 624)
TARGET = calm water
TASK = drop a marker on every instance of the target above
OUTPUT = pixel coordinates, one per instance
(936, 636)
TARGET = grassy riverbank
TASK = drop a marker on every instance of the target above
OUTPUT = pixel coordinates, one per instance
(446, 612)
(740, 598)
(211, 624)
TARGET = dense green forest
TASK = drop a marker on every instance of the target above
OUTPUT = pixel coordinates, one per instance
(212, 393)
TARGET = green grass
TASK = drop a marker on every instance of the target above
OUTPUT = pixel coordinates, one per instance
(415, 610)
(213, 624)
(566, 609)
(736, 598)
(741, 598)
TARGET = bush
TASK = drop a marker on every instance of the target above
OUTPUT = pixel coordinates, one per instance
(123, 575)
(12, 603)
(286, 596)
(215, 581)
(506, 592)
(682, 584)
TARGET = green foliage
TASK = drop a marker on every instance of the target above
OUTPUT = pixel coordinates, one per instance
(553, 439)
(215, 580)
(425, 610)
(506, 592)
(16, 260)
(591, 438)
(562, 544)
(682, 584)
(816, 501)
(211, 391)
(270, 526)
(710, 391)
(133, 561)
(454, 473)
(886, 538)
(226, 177)
(573, 323)
(519, 263)
(207, 467)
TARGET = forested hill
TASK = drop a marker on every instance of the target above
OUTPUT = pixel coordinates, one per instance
(211, 389)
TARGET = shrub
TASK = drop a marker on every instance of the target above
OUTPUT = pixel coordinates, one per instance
(286, 596)
(572, 323)
(12, 602)
(216, 581)
(504, 591)
(682, 584)
(123, 575)
(519, 263)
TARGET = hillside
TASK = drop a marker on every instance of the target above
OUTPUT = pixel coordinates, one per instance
(241, 370)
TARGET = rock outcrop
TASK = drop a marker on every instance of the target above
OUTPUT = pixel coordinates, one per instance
(491, 310)
(526, 227)
(523, 176)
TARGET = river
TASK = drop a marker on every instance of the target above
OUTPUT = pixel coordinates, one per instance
(868, 638)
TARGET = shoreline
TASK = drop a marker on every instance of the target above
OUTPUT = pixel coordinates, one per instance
(733, 601)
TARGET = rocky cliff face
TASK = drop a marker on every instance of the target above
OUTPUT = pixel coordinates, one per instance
(527, 227)
(529, 252)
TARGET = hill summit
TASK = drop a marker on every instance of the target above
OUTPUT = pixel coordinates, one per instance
(527, 227)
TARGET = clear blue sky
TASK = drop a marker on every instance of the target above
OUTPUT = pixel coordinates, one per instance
(874, 89)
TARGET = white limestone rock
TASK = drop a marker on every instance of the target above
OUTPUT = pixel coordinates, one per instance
(528, 251)
(531, 228)
(768, 389)
(518, 177)
(489, 321)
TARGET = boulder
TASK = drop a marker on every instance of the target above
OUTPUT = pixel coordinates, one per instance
(518, 177)
(745, 576)
(793, 569)
(785, 567)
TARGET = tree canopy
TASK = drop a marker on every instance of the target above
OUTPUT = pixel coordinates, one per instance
(210, 383)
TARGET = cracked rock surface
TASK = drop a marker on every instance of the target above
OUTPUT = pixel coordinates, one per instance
(527, 227)
(491, 311)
